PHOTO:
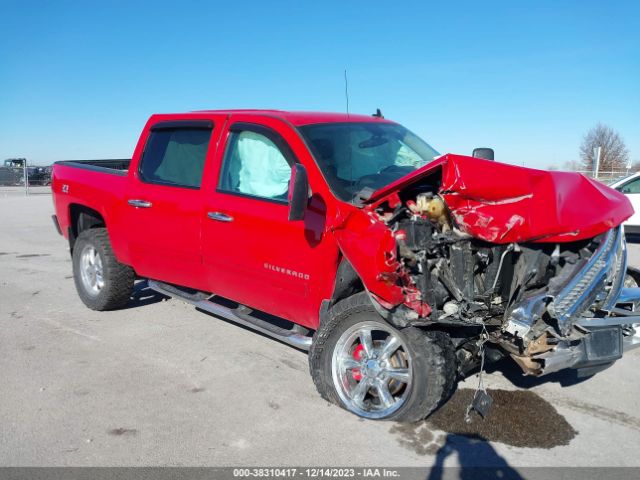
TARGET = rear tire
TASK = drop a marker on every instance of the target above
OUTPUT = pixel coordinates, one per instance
(419, 373)
(102, 282)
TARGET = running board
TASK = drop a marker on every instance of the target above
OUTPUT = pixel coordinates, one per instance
(240, 315)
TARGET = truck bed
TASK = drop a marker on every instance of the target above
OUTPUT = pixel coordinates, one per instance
(116, 166)
(96, 184)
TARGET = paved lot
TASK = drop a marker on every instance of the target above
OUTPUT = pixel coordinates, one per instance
(19, 191)
(161, 384)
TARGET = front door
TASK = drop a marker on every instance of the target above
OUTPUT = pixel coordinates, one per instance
(253, 254)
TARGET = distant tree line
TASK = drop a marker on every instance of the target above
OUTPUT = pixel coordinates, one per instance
(614, 156)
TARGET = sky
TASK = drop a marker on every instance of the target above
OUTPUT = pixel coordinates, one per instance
(527, 78)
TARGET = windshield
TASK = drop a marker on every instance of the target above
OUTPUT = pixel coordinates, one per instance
(358, 158)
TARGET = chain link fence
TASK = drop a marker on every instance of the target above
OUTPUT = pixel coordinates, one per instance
(18, 177)
(606, 176)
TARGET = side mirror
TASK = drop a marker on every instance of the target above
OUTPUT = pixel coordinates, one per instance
(298, 192)
(486, 153)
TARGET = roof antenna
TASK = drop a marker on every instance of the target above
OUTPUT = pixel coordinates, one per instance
(346, 90)
(378, 114)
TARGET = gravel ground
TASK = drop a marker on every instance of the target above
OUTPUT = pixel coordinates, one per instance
(161, 384)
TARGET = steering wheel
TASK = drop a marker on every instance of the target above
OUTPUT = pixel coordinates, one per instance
(367, 181)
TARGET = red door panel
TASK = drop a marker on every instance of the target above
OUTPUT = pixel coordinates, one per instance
(164, 222)
(255, 256)
(165, 237)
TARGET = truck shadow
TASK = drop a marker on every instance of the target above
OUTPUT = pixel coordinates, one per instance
(142, 295)
(477, 459)
(513, 373)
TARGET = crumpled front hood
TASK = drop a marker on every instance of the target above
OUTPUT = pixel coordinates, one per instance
(503, 203)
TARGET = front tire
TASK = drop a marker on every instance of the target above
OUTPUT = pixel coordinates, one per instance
(363, 364)
(102, 282)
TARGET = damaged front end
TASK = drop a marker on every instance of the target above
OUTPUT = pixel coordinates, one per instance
(446, 249)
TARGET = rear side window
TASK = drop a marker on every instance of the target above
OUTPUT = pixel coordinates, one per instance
(175, 156)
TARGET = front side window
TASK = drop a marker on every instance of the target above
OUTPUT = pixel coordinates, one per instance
(364, 155)
(175, 156)
(254, 165)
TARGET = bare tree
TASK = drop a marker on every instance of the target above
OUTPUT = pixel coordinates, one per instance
(614, 154)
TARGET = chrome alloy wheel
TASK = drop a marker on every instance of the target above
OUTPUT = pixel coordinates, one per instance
(91, 270)
(371, 370)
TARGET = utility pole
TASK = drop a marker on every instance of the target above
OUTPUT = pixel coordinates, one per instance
(26, 177)
(597, 151)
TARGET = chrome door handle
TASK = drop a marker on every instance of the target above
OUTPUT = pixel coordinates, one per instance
(139, 203)
(221, 217)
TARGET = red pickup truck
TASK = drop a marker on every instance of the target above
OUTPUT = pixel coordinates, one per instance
(398, 268)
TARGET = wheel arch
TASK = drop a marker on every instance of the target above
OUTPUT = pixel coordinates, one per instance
(82, 218)
(346, 283)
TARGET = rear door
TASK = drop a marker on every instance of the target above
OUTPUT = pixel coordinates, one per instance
(253, 254)
(164, 202)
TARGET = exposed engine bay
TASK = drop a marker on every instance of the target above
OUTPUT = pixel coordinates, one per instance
(520, 299)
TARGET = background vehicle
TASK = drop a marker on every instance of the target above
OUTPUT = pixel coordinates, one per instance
(12, 172)
(398, 268)
(39, 175)
(9, 177)
(14, 163)
(630, 186)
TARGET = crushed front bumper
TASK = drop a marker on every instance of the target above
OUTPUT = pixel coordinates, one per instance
(624, 318)
(604, 342)
(597, 317)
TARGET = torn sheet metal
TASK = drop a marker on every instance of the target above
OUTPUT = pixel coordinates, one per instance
(370, 246)
(485, 200)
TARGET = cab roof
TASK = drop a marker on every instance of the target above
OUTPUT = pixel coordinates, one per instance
(303, 118)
